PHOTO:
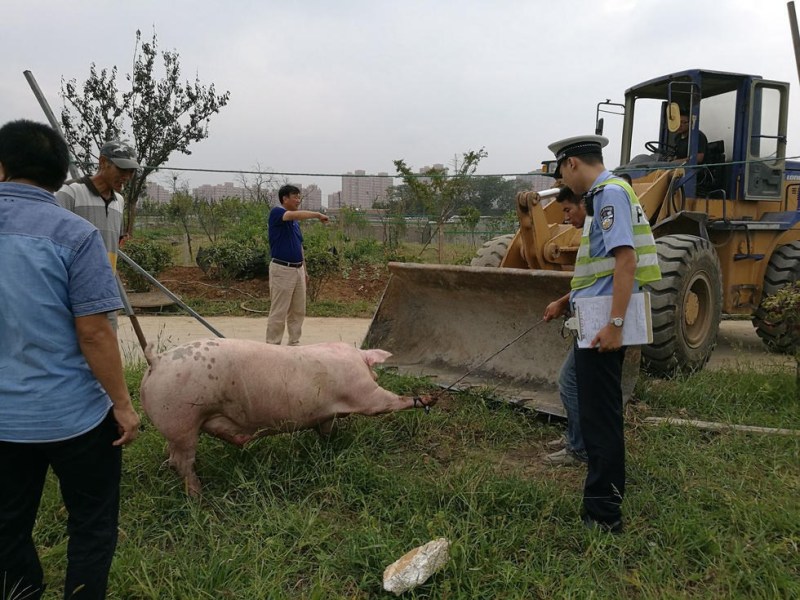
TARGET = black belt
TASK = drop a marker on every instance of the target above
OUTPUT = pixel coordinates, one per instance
(285, 263)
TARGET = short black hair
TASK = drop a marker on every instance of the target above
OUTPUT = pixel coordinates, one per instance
(591, 159)
(565, 194)
(287, 190)
(34, 151)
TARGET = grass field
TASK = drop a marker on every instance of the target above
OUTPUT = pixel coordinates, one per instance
(708, 515)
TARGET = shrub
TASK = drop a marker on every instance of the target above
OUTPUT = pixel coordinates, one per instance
(783, 307)
(321, 265)
(152, 256)
(364, 250)
(783, 310)
(231, 259)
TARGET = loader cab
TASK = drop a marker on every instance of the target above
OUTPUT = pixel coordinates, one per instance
(743, 117)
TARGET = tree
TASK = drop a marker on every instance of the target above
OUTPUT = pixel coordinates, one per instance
(181, 207)
(260, 186)
(470, 216)
(437, 191)
(161, 115)
(491, 194)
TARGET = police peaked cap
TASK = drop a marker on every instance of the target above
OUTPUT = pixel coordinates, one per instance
(579, 145)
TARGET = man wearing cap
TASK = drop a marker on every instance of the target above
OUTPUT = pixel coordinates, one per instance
(617, 254)
(97, 198)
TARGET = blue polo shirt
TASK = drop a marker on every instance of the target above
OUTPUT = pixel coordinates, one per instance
(611, 228)
(285, 238)
(54, 268)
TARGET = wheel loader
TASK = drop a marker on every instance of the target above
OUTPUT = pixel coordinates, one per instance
(726, 224)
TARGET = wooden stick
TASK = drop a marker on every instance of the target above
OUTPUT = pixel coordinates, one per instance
(712, 426)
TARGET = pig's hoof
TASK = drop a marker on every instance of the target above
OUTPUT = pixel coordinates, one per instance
(419, 402)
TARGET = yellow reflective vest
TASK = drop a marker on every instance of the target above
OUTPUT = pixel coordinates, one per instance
(589, 269)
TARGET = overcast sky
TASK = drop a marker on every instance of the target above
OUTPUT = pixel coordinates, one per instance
(333, 86)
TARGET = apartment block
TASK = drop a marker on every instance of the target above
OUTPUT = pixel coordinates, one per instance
(157, 193)
(360, 190)
(214, 193)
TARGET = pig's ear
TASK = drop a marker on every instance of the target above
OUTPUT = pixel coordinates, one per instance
(374, 356)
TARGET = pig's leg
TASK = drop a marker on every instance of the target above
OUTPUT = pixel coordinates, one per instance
(382, 401)
(181, 458)
(324, 429)
(225, 429)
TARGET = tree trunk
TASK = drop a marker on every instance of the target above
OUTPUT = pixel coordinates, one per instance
(130, 216)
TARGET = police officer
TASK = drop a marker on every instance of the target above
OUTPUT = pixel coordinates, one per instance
(617, 254)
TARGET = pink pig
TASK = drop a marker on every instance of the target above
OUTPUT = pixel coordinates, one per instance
(239, 390)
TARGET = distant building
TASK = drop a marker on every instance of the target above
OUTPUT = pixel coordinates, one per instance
(311, 194)
(428, 169)
(312, 197)
(360, 190)
(157, 193)
(214, 193)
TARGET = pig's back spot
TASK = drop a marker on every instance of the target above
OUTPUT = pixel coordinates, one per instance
(210, 366)
(181, 353)
(212, 359)
(197, 344)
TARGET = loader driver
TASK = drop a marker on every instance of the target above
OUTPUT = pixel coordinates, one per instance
(682, 142)
(569, 449)
(617, 254)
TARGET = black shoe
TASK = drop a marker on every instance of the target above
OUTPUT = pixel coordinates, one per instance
(593, 524)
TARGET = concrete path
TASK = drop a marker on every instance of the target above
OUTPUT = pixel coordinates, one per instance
(169, 331)
(738, 344)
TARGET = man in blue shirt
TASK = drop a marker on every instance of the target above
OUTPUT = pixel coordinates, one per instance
(63, 399)
(572, 450)
(616, 255)
(287, 273)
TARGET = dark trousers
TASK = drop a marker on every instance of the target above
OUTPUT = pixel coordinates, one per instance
(600, 406)
(88, 468)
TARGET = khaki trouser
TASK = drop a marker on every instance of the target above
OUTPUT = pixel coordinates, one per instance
(287, 293)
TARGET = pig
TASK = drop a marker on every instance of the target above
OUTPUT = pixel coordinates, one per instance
(239, 390)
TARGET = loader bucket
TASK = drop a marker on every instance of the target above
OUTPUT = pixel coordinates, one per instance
(444, 321)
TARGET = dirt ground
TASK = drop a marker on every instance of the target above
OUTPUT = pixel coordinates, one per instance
(361, 283)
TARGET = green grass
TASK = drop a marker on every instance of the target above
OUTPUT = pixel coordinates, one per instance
(709, 515)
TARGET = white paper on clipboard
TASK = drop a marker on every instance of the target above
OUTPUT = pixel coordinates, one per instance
(592, 314)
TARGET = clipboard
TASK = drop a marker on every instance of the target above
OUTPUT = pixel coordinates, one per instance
(592, 314)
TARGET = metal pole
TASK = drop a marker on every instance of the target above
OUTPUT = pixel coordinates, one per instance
(795, 35)
(137, 329)
(172, 296)
(73, 170)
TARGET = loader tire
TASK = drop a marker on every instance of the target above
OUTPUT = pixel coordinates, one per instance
(492, 252)
(783, 269)
(686, 306)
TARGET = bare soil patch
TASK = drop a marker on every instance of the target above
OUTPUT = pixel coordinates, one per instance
(365, 282)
